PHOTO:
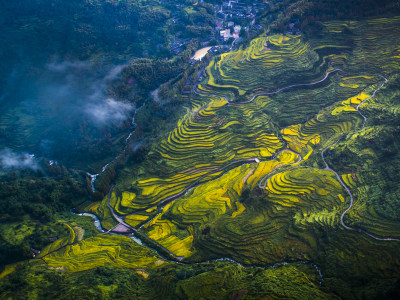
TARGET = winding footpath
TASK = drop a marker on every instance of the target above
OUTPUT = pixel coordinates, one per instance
(268, 93)
(327, 167)
(285, 88)
(263, 182)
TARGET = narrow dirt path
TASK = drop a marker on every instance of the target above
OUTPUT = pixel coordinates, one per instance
(285, 88)
(327, 167)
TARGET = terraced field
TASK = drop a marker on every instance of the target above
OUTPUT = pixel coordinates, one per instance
(210, 139)
(189, 216)
(243, 72)
(249, 172)
(266, 117)
(98, 251)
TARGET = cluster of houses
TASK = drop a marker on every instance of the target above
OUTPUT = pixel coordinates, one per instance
(226, 34)
(228, 13)
(234, 9)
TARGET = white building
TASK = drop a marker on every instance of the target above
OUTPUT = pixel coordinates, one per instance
(226, 34)
(237, 28)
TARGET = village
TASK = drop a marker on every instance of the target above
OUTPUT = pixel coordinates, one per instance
(242, 13)
(234, 21)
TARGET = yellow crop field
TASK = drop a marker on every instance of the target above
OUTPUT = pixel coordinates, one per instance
(102, 249)
(348, 104)
(127, 198)
(229, 124)
(278, 40)
(349, 85)
(179, 247)
(135, 220)
(298, 140)
(341, 198)
(349, 180)
(164, 232)
(289, 188)
(211, 80)
(212, 198)
(240, 208)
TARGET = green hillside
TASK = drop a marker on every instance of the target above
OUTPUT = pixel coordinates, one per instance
(277, 178)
